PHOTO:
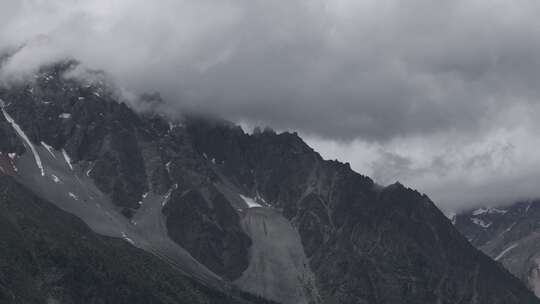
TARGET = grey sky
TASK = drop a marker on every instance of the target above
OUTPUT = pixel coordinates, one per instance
(440, 95)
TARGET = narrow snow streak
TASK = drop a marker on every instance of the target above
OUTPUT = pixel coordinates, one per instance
(49, 148)
(508, 229)
(505, 252)
(21, 133)
(73, 196)
(168, 195)
(90, 169)
(124, 235)
(66, 157)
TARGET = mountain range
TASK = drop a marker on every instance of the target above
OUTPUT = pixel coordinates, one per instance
(510, 235)
(103, 204)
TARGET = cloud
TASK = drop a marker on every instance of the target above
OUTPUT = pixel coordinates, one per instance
(394, 79)
(456, 172)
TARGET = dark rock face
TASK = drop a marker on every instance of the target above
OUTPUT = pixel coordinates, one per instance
(347, 239)
(366, 244)
(209, 230)
(509, 235)
(88, 124)
(128, 155)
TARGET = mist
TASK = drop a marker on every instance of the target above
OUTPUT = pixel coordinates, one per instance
(440, 96)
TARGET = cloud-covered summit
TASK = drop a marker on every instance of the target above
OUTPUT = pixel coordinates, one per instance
(421, 90)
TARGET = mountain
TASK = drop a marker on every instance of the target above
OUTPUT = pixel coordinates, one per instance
(510, 235)
(50, 256)
(239, 214)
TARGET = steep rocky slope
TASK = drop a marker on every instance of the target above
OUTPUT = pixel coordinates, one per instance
(263, 212)
(49, 256)
(510, 235)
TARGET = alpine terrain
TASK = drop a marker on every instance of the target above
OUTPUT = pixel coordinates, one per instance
(102, 204)
(510, 235)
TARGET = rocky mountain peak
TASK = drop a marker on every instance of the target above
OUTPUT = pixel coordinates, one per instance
(261, 212)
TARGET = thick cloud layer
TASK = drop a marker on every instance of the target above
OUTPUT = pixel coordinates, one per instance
(431, 93)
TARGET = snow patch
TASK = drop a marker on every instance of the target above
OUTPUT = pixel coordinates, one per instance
(64, 116)
(480, 223)
(505, 252)
(67, 158)
(173, 125)
(55, 178)
(250, 201)
(21, 133)
(452, 216)
(488, 211)
(12, 155)
(73, 196)
(143, 198)
(129, 240)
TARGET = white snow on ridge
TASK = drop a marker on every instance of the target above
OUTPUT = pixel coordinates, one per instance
(480, 223)
(67, 158)
(55, 178)
(21, 133)
(65, 116)
(452, 216)
(505, 252)
(250, 202)
(488, 210)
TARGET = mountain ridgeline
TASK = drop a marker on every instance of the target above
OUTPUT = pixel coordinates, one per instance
(198, 207)
(510, 235)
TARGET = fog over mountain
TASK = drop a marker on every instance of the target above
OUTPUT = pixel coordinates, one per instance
(441, 96)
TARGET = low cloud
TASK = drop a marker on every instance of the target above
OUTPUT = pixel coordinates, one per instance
(402, 82)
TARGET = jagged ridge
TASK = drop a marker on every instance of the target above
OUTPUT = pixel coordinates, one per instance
(323, 233)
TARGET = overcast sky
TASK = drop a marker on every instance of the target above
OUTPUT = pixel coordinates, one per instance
(440, 95)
